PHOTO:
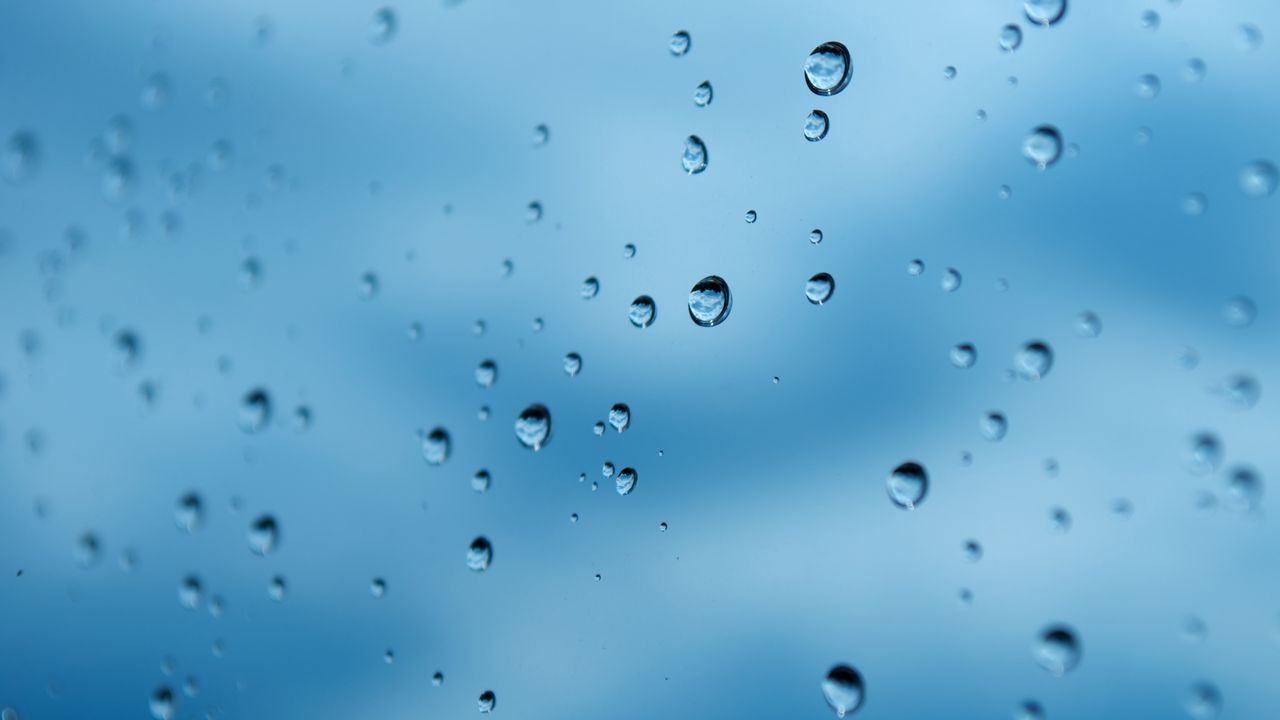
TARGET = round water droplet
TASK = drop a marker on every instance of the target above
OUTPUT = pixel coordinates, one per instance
(844, 690)
(1241, 391)
(1203, 701)
(378, 587)
(189, 592)
(436, 446)
(1194, 71)
(642, 312)
(751, 216)
(486, 373)
(383, 29)
(590, 288)
(1029, 710)
(1057, 650)
(189, 514)
(1239, 312)
(541, 134)
(1248, 37)
(487, 701)
(816, 126)
(533, 212)
(479, 554)
(156, 92)
(1088, 325)
(819, 288)
(264, 535)
(1259, 178)
(628, 250)
(827, 69)
(277, 588)
(255, 410)
(949, 72)
(572, 364)
(607, 470)
(162, 704)
(972, 551)
(993, 426)
(87, 551)
(710, 301)
(694, 158)
(598, 429)
(907, 485)
(951, 280)
(533, 427)
(680, 43)
(1044, 12)
(437, 679)
(1033, 360)
(626, 481)
(815, 236)
(480, 481)
(915, 267)
(1043, 146)
(21, 156)
(1148, 87)
(1149, 20)
(1204, 453)
(620, 417)
(964, 355)
(702, 94)
(1010, 37)
(1243, 490)
(368, 285)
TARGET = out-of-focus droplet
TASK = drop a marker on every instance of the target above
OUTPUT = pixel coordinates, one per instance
(710, 301)
(1045, 12)
(1029, 710)
(487, 701)
(1057, 650)
(1194, 629)
(620, 417)
(87, 551)
(964, 355)
(1239, 312)
(1043, 146)
(189, 592)
(156, 91)
(189, 514)
(437, 679)
(1148, 87)
(844, 690)
(629, 250)
(816, 126)
(590, 288)
(951, 280)
(486, 373)
(277, 588)
(1243, 491)
(1088, 325)
(480, 481)
(1258, 178)
(533, 212)
(1248, 37)
(479, 554)
(1194, 204)
(680, 43)
(1204, 454)
(598, 429)
(993, 426)
(384, 25)
(162, 704)
(915, 267)
(1194, 70)
(264, 535)
(626, 481)
(1203, 701)
(694, 158)
(972, 550)
(21, 157)
(819, 288)
(541, 135)
(702, 94)
(642, 312)
(1241, 391)
(1149, 20)
(255, 410)
(436, 446)
(1010, 37)
(572, 364)
(1033, 360)
(533, 427)
(949, 72)
(827, 68)
(907, 485)
(378, 587)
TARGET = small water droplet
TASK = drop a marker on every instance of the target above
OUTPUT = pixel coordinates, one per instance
(1239, 312)
(972, 551)
(915, 267)
(1243, 489)
(1259, 178)
(1029, 710)
(436, 446)
(1194, 204)
(1045, 12)
(680, 43)
(702, 94)
(1010, 37)
(626, 481)
(255, 410)
(815, 236)
(189, 592)
(533, 427)
(827, 68)
(819, 288)
(1033, 360)
(1241, 391)
(620, 417)
(816, 126)
(951, 280)
(1088, 325)
(1043, 146)
(533, 212)
(486, 373)
(1149, 20)
(628, 250)
(1057, 650)
(949, 72)
(1204, 453)
(264, 535)
(1248, 37)
(479, 554)
(383, 29)
(907, 485)
(277, 588)
(437, 679)
(487, 699)
(964, 355)
(710, 301)
(642, 312)
(572, 364)
(541, 134)
(189, 515)
(993, 426)
(162, 704)
(1148, 87)
(1203, 701)
(21, 157)
(1194, 71)
(378, 587)
(694, 158)
(844, 690)
(751, 216)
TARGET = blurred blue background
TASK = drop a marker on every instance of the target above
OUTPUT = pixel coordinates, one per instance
(304, 198)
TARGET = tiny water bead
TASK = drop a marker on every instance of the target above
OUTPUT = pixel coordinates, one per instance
(1005, 192)
(993, 426)
(479, 554)
(21, 157)
(702, 94)
(488, 701)
(1204, 453)
(1259, 178)
(255, 410)
(1088, 325)
(1148, 87)
(1043, 146)
(819, 288)
(572, 364)
(626, 481)
(628, 250)
(951, 280)
(1010, 37)
(1059, 520)
(277, 588)
(1057, 650)
(369, 285)
(642, 312)
(843, 689)
(189, 592)
(533, 427)
(590, 288)
(189, 514)
(964, 355)
(907, 485)
(486, 373)
(437, 679)
(1243, 491)
(816, 125)
(598, 429)
(383, 29)
(435, 446)
(815, 236)
(1033, 360)
(264, 535)
(827, 69)
(750, 216)
(680, 43)
(1241, 391)
(1239, 312)
(1203, 701)
(607, 470)
(694, 158)
(710, 301)
(1045, 12)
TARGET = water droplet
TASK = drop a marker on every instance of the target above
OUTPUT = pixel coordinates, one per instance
(1239, 312)
(993, 426)
(972, 551)
(949, 72)
(628, 251)
(480, 481)
(255, 410)
(533, 427)
(702, 94)
(368, 286)
(680, 43)
(1057, 650)
(378, 587)
(1029, 710)
(533, 212)
(815, 236)
(572, 364)
(1186, 357)
(620, 417)
(1148, 87)
(844, 690)
(1043, 146)
(1010, 37)
(1005, 192)
(710, 301)
(1241, 391)
(435, 446)
(1243, 489)
(816, 126)
(479, 554)
(117, 179)
(598, 429)
(1045, 12)
(87, 551)
(573, 517)
(907, 485)
(437, 679)
(643, 312)
(1259, 178)
(162, 704)
(1033, 360)
(1248, 37)
(827, 69)
(21, 156)
(1194, 204)
(264, 535)
(1204, 454)
(541, 134)
(1194, 71)
(915, 267)
(950, 280)
(819, 288)
(277, 588)
(384, 26)
(662, 527)
(694, 158)
(751, 216)
(486, 373)
(590, 288)
(626, 481)
(189, 514)
(1149, 20)
(964, 355)
(1194, 629)
(189, 592)
(1088, 325)
(1203, 701)
(607, 470)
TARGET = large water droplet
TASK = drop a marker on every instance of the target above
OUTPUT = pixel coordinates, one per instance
(1259, 178)
(642, 312)
(709, 301)
(819, 288)
(1045, 12)
(816, 126)
(1043, 146)
(1057, 650)
(533, 427)
(907, 485)
(479, 554)
(626, 481)
(264, 535)
(435, 446)
(826, 70)
(1033, 360)
(844, 690)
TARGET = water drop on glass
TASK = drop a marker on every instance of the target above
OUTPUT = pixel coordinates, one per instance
(620, 417)
(626, 481)
(1239, 312)
(843, 689)
(680, 43)
(1010, 37)
(1088, 325)
(1248, 37)
(384, 26)
(710, 301)
(1043, 146)
(915, 267)
(479, 554)
(1148, 87)
(1194, 71)
(949, 72)
(827, 69)
(435, 446)
(1203, 701)
(702, 94)
(486, 373)
(1149, 20)
(255, 410)
(642, 312)
(533, 427)
(162, 704)
(694, 158)
(541, 134)
(1029, 710)
(1204, 454)
(1194, 204)
(1033, 360)
(972, 551)
(189, 514)
(1057, 650)
(189, 592)
(964, 355)
(533, 212)
(1045, 12)
(819, 288)
(907, 485)
(378, 587)
(572, 364)
(816, 126)
(487, 701)
(951, 280)
(1243, 489)
(751, 216)
(264, 535)
(993, 426)
(1258, 179)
